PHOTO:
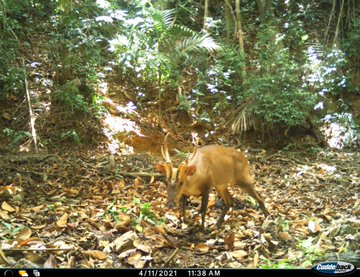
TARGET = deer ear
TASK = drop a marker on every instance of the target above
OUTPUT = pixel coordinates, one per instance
(160, 168)
(190, 170)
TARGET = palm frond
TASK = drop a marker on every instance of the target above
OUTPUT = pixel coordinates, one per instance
(197, 43)
(163, 19)
(182, 30)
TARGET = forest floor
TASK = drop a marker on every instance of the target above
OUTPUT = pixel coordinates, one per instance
(90, 209)
(79, 210)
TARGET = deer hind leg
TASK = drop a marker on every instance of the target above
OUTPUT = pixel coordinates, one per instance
(225, 195)
(204, 204)
(249, 188)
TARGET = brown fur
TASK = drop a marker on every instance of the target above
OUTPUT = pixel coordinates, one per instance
(212, 166)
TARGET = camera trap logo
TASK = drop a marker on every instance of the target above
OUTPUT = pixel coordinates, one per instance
(334, 268)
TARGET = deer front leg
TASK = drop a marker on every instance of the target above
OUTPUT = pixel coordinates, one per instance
(184, 203)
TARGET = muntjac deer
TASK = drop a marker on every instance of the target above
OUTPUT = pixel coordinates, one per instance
(209, 166)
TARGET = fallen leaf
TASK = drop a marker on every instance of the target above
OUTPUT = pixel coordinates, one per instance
(7, 207)
(140, 264)
(100, 255)
(314, 226)
(139, 228)
(121, 184)
(321, 171)
(33, 257)
(285, 236)
(239, 254)
(124, 220)
(35, 242)
(137, 182)
(62, 221)
(3, 257)
(248, 233)
(38, 227)
(229, 241)
(125, 241)
(50, 262)
(4, 215)
(327, 217)
(133, 258)
(7, 115)
(72, 191)
(37, 208)
(225, 256)
(171, 218)
(127, 253)
(160, 242)
(233, 265)
(256, 259)
(160, 229)
(267, 236)
(202, 248)
(239, 245)
(62, 244)
(24, 234)
(211, 203)
(142, 247)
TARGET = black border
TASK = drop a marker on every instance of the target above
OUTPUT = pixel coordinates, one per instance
(157, 272)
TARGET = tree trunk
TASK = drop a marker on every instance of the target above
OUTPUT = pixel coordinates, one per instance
(337, 30)
(265, 11)
(228, 21)
(206, 13)
(332, 13)
(240, 36)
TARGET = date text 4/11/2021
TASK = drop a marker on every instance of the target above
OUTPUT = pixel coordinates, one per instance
(179, 273)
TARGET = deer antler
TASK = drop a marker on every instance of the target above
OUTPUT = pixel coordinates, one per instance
(191, 156)
(165, 151)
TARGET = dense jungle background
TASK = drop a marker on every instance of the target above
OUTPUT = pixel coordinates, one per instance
(89, 89)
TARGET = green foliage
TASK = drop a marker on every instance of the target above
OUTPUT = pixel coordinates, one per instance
(97, 109)
(308, 247)
(219, 80)
(327, 75)
(145, 214)
(352, 48)
(18, 22)
(278, 102)
(12, 80)
(278, 96)
(50, 208)
(10, 231)
(16, 137)
(282, 264)
(311, 252)
(112, 212)
(69, 95)
(284, 225)
(11, 76)
(78, 40)
(72, 135)
(154, 48)
(341, 130)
